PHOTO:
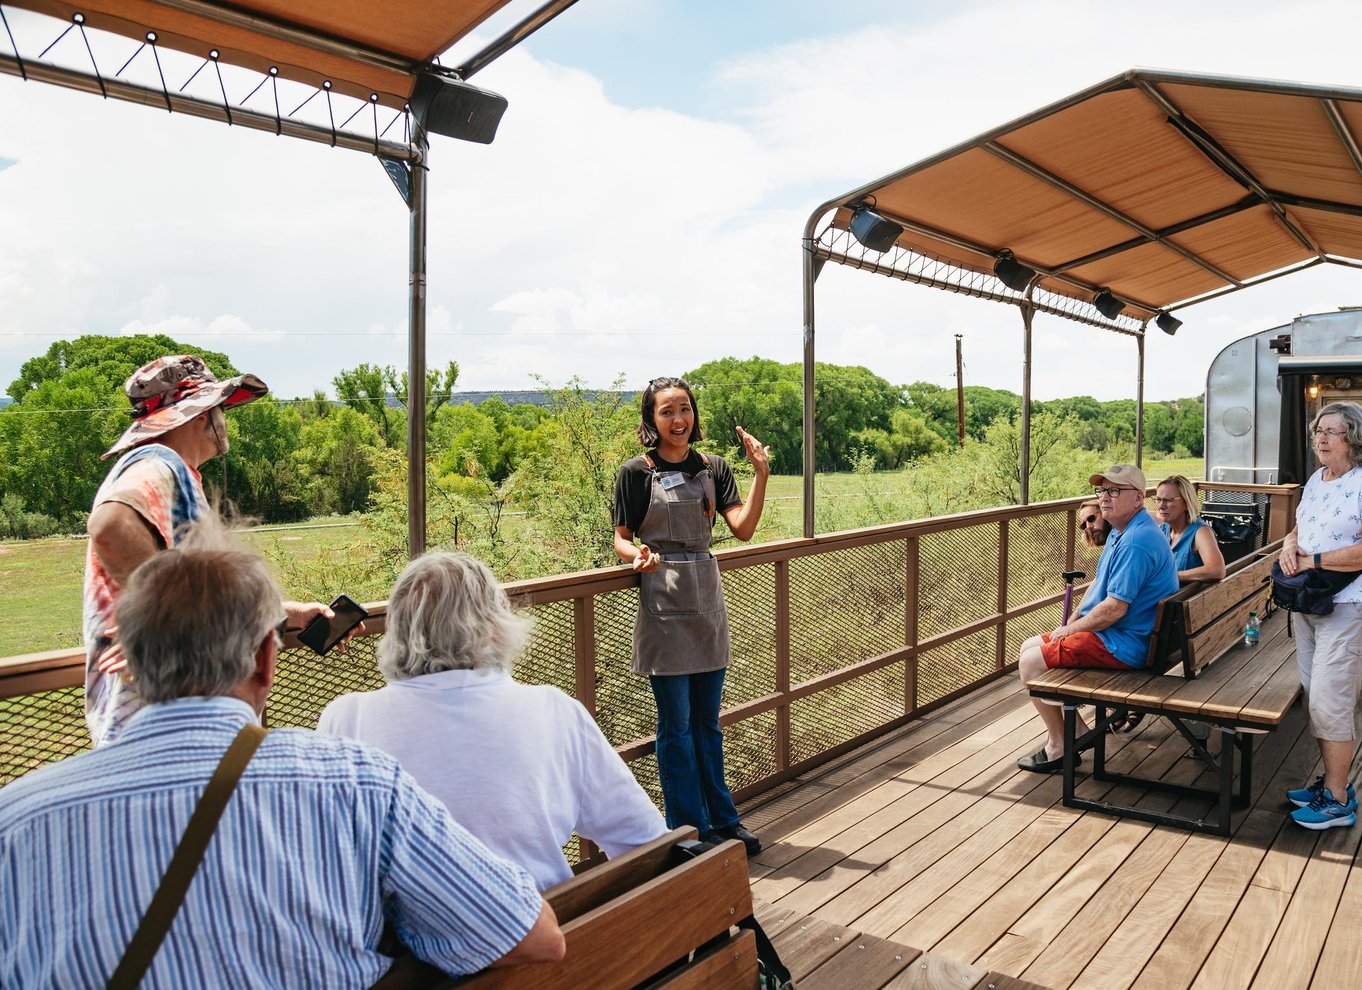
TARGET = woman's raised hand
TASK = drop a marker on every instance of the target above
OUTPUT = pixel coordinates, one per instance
(757, 455)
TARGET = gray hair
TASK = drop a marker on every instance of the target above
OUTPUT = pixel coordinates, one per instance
(191, 619)
(447, 612)
(1351, 414)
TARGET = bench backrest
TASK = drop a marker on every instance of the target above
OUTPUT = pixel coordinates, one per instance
(628, 919)
(1203, 620)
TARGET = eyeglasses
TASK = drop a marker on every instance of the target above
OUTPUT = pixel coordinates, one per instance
(1319, 431)
(1089, 520)
(279, 631)
(1111, 492)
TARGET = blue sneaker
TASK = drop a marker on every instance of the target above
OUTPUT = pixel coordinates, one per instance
(1302, 796)
(1325, 812)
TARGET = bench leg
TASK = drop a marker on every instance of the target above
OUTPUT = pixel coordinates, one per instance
(1224, 796)
(1070, 745)
(1228, 738)
(1244, 740)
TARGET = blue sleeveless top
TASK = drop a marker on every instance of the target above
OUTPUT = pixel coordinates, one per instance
(1185, 556)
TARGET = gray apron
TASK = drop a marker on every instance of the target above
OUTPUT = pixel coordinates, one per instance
(682, 624)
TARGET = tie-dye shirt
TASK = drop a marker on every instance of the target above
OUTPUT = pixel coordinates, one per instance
(159, 486)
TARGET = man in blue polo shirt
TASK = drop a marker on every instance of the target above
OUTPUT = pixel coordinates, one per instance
(1116, 619)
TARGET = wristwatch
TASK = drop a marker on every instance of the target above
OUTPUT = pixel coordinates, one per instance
(1316, 560)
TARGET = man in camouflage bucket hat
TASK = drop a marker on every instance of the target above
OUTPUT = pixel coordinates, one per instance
(151, 493)
(169, 392)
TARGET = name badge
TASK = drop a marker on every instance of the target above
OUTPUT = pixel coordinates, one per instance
(671, 480)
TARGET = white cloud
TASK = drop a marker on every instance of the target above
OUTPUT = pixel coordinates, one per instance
(596, 238)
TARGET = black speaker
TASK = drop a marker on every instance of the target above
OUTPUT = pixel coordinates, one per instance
(1108, 305)
(873, 230)
(451, 107)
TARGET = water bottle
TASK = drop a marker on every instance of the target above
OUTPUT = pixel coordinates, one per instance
(1252, 629)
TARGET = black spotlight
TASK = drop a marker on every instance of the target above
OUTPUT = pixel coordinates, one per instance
(1012, 272)
(449, 106)
(1168, 323)
(1108, 305)
(872, 230)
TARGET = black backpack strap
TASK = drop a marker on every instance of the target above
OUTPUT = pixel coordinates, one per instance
(774, 974)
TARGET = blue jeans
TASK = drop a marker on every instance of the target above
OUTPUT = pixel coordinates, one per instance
(690, 751)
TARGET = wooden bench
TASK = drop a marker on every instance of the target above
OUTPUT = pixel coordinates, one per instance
(629, 919)
(1201, 621)
(1240, 691)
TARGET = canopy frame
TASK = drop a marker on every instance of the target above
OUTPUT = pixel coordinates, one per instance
(330, 41)
(952, 245)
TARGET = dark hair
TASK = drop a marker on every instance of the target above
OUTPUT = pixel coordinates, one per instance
(647, 429)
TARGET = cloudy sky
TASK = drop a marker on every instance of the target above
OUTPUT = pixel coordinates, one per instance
(640, 211)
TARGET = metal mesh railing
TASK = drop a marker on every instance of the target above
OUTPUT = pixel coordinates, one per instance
(37, 729)
(305, 683)
(847, 654)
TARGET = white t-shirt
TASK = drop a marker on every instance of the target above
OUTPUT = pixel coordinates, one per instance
(520, 766)
(1329, 517)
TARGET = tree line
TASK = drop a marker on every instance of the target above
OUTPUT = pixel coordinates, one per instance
(295, 459)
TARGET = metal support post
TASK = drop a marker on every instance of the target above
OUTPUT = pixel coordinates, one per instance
(416, 351)
(1028, 311)
(811, 267)
(1139, 402)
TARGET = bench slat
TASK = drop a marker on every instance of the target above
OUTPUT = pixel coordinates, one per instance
(1276, 696)
(1250, 675)
(606, 881)
(640, 932)
(1208, 644)
(731, 964)
(1205, 607)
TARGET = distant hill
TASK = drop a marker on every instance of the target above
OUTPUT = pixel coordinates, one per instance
(533, 397)
(5, 400)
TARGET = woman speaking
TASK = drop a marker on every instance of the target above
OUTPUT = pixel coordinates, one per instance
(668, 499)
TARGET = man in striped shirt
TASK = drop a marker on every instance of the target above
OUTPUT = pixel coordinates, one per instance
(322, 843)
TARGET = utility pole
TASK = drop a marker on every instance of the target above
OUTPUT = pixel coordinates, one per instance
(960, 389)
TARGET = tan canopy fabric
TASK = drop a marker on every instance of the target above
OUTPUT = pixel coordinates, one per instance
(360, 46)
(1165, 187)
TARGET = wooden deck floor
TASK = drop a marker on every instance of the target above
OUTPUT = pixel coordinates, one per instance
(934, 839)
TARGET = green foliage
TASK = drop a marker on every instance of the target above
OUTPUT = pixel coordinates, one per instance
(69, 407)
(17, 523)
(938, 407)
(336, 461)
(762, 396)
(367, 389)
(569, 488)
(766, 399)
(1190, 432)
(909, 439)
(108, 360)
(261, 476)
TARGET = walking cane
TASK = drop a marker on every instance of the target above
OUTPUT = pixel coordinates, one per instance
(1069, 578)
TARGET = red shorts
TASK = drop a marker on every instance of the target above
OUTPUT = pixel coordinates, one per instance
(1080, 649)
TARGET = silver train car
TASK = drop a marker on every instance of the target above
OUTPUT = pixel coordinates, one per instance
(1261, 393)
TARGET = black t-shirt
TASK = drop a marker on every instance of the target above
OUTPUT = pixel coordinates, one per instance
(633, 485)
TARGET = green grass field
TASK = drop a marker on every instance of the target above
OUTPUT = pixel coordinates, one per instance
(40, 580)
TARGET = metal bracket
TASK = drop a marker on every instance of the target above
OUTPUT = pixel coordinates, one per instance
(400, 173)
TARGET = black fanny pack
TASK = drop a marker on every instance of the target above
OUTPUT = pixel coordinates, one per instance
(1310, 591)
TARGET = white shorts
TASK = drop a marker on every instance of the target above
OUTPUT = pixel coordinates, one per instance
(1329, 652)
